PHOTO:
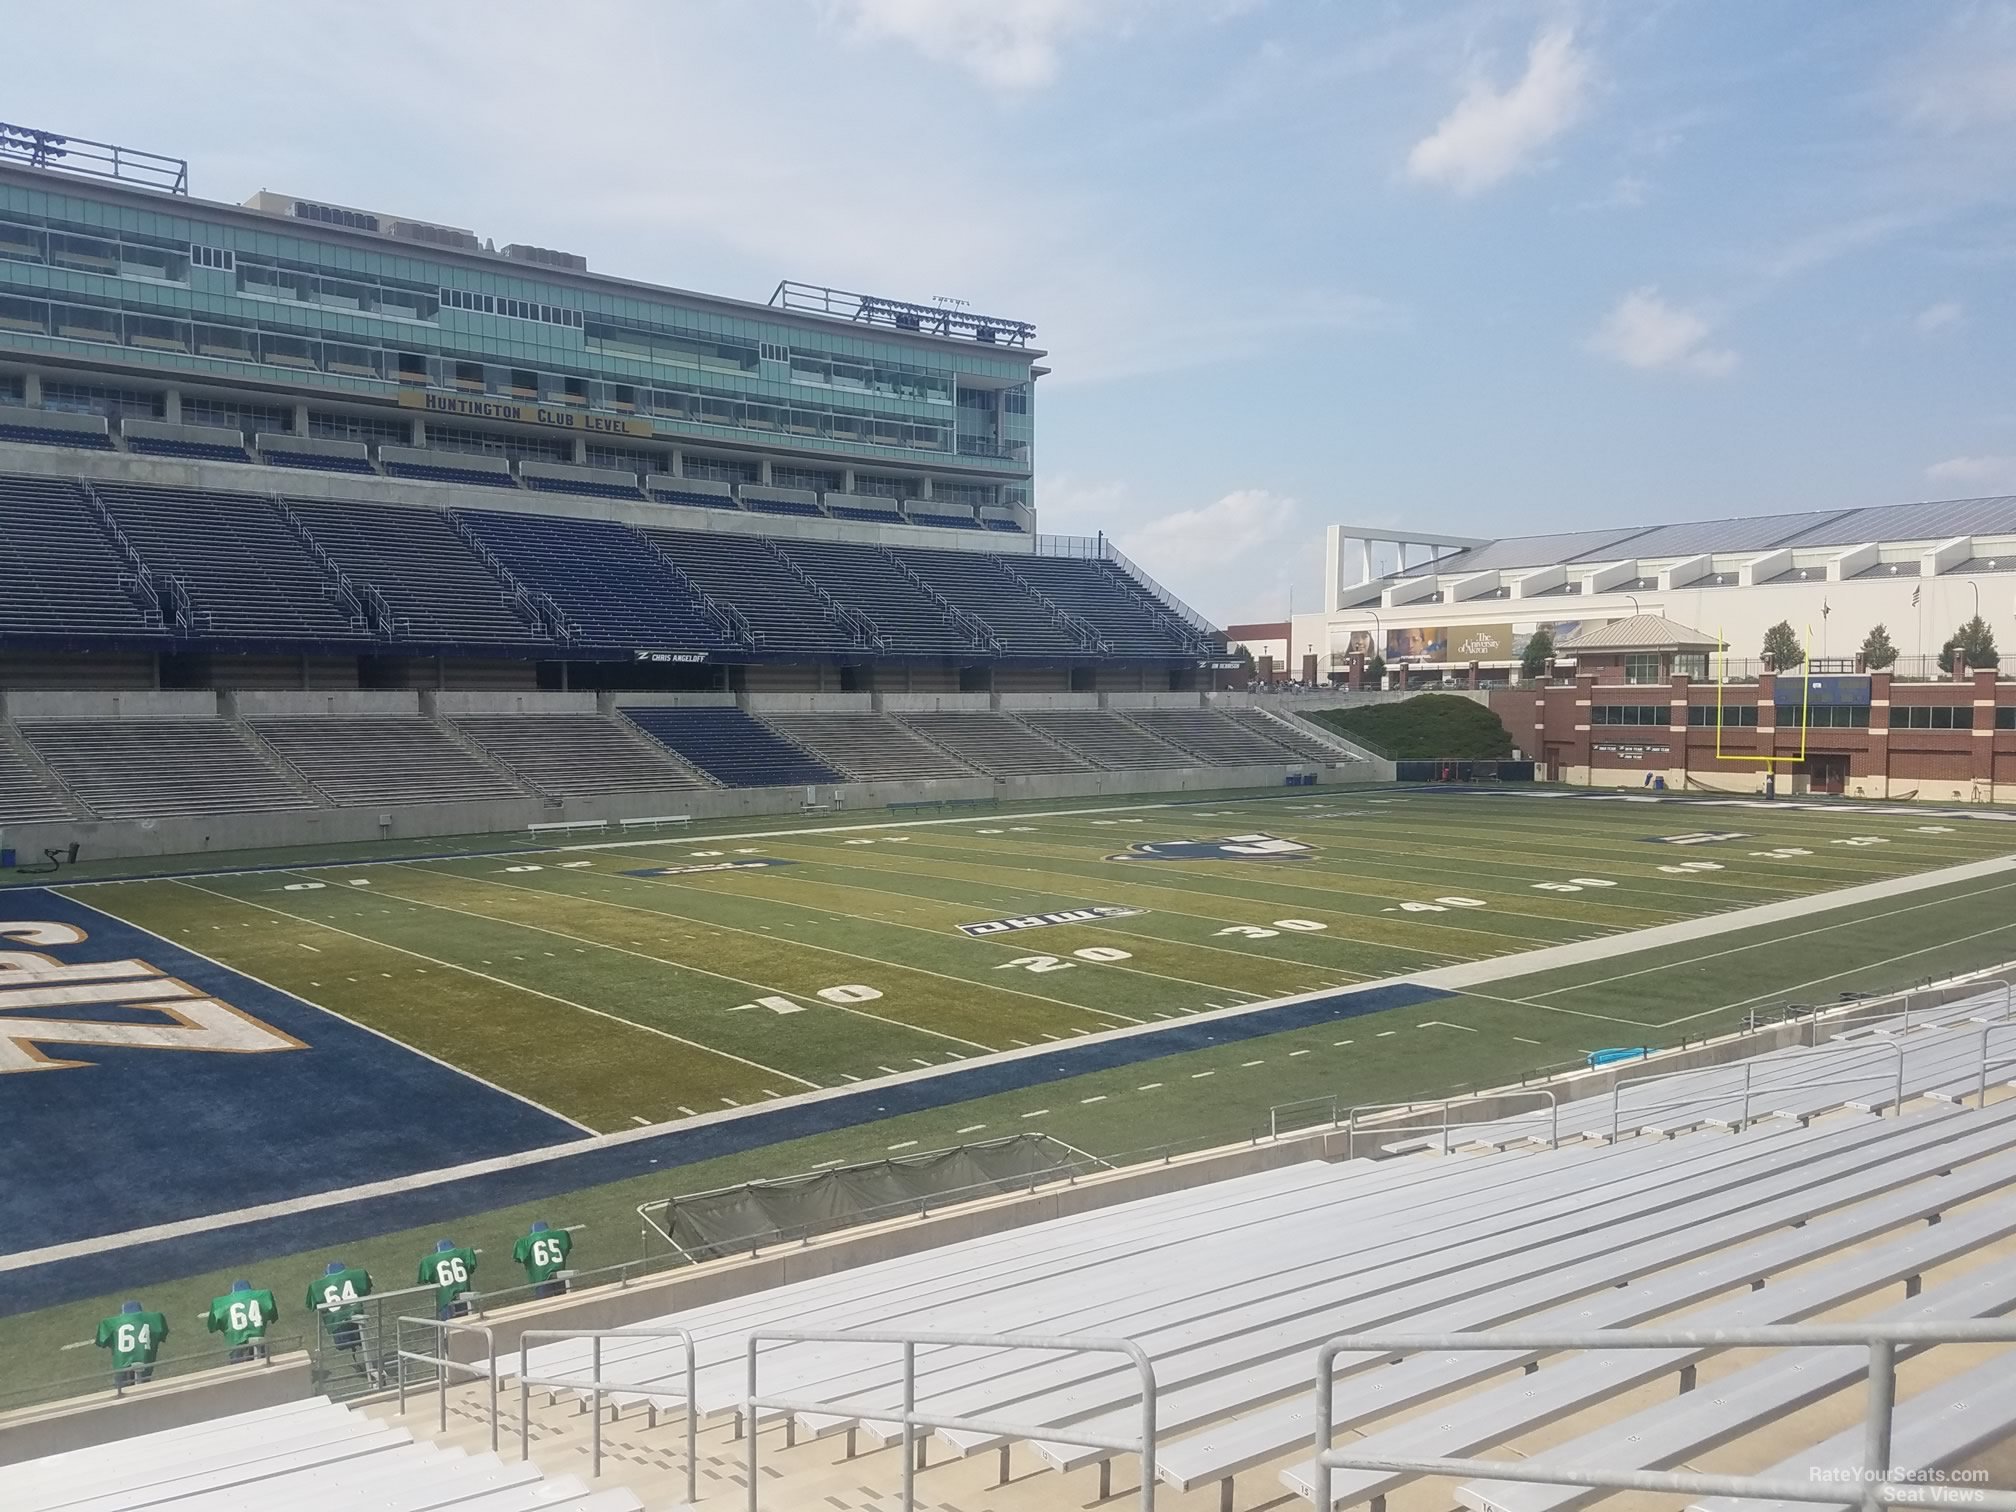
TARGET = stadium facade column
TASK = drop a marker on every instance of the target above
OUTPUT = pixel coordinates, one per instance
(301, 419)
(1585, 740)
(1767, 728)
(1472, 683)
(1354, 671)
(1677, 731)
(171, 405)
(1984, 733)
(31, 389)
(1878, 758)
(579, 453)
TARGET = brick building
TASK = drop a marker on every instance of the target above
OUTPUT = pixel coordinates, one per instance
(1642, 703)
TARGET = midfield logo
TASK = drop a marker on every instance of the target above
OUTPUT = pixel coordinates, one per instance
(1231, 848)
(189, 1020)
(1062, 916)
(758, 864)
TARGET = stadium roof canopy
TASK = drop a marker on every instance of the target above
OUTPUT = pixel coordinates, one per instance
(1935, 520)
(1641, 632)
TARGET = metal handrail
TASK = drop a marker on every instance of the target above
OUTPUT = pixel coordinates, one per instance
(1446, 1105)
(596, 1386)
(1881, 1340)
(1750, 1089)
(912, 1419)
(442, 1364)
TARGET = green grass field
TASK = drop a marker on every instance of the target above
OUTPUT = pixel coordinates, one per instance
(619, 1000)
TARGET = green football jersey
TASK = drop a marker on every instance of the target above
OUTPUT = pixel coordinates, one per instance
(449, 1272)
(543, 1254)
(133, 1338)
(336, 1297)
(242, 1316)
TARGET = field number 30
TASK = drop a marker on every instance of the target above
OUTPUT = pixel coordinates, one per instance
(1259, 932)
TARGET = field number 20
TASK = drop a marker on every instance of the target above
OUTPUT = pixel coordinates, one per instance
(1058, 963)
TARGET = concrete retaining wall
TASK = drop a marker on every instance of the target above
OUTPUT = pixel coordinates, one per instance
(255, 705)
(809, 703)
(449, 703)
(933, 703)
(1151, 700)
(197, 704)
(1010, 703)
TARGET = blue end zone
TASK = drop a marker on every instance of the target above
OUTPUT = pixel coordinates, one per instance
(140, 1265)
(136, 1136)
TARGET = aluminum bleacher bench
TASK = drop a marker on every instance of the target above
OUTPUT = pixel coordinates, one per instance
(1574, 1259)
(1738, 1404)
(1934, 1430)
(1520, 1406)
(568, 827)
(1761, 1242)
(654, 821)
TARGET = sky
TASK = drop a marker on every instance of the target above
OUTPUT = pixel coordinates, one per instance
(1484, 267)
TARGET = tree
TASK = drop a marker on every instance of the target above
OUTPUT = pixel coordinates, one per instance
(1781, 647)
(1976, 640)
(1877, 652)
(1375, 671)
(1538, 656)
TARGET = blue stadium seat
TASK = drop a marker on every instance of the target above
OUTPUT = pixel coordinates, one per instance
(907, 618)
(429, 473)
(743, 571)
(37, 435)
(697, 500)
(609, 583)
(317, 462)
(438, 590)
(1103, 596)
(592, 490)
(731, 747)
(756, 504)
(247, 574)
(945, 522)
(194, 451)
(977, 583)
(62, 576)
(874, 516)
(1007, 527)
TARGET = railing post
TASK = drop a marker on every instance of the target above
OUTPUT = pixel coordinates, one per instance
(1319, 1480)
(1554, 1118)
(692, 1424)
(1749, 1069)
(1148, 1445)
(1981, 1091)
(1876, 1428)
(595, 1405)
(1445, 1126)
(909, 1426)
(398, 1355)
(1900, 1079)
(525, 1403)
(749, 1424)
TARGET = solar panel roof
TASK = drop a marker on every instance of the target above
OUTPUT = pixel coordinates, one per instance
(1936, 521)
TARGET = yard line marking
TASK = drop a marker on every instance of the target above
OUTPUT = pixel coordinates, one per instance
(972, 1128)
(1293, 1053)
(306, 946)
(822, 1165)
(665, 1034)
(1525, 1041)
(667, 913)
(904, 1144)
(1040, 1112)
(686, 1110)
(1084, 1100)
(888, 1070)
(319, 1008)
(1147, 1086)
(637, 1119)
(1386, 1033)
(1248, 1065)
(1200, 1075)
(472, 913)
(1445, 1024)
(731, 1102)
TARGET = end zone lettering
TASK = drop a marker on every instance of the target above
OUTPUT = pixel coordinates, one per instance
(1062, 916)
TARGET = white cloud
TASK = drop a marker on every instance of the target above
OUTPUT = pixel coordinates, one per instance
(1493, 132)
(1938, 317)
(1008, 46)
(1197, 545)
(1981, 475)
(1964, 79)
(1647, 332)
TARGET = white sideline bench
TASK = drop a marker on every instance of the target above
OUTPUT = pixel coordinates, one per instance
(1737, 1405)
(567, 827)
(1933, 1430)
(1527, 1404)
(1252, 1441)
(656, 821)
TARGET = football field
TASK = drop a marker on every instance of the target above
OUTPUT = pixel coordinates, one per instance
(636, 983)
(479, 1037)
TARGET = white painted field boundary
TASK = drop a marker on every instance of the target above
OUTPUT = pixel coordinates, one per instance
(1453, 978)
